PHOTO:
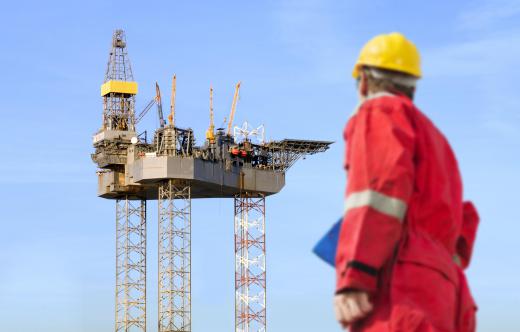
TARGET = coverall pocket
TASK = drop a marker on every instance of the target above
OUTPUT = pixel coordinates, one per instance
(423, 297)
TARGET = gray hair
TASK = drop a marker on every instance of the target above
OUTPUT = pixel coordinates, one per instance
(394, 77)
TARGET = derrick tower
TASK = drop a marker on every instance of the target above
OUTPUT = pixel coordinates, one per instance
(111, 142)
(119, 89)
(235, 163)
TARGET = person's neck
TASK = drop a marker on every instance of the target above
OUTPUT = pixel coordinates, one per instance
(372, 95)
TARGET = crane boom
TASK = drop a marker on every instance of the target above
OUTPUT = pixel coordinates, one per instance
(159, 105)
(155, 100)
(145, 110)
(171, 117)
(233, 108)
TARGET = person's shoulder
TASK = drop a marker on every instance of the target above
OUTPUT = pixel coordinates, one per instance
(388, 102)
(391, 105)
(399, 110)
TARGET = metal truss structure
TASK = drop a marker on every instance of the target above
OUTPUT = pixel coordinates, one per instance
(283, 154)
(250, 272)
(118, 107)
(130, 265)
(174, 256)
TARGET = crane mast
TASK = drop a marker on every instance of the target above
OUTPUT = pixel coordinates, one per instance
(171, 117)
(210, 133)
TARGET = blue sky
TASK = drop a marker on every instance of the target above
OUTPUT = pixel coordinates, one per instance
(294, 59)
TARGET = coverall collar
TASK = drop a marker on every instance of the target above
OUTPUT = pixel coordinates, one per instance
(369, 97)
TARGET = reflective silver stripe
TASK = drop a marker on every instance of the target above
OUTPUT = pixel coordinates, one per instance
(391, 206)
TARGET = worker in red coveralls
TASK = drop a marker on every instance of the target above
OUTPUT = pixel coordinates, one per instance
(406, 234)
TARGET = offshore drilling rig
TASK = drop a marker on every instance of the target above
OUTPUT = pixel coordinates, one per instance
(233, 162)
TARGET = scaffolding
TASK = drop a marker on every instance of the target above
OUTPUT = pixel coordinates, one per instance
(130, 265)
(250, 269)
(174, 256)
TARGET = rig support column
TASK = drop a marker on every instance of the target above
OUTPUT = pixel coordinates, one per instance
(174, 256)
(130, 265)
(250, 273)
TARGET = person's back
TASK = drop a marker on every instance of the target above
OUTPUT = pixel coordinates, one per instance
(435, 207)
(406, 233)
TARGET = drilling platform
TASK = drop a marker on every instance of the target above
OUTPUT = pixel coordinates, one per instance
(234, 162)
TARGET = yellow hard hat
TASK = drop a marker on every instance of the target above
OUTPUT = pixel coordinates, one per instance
(390, 51)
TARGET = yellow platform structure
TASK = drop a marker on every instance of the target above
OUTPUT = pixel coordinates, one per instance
(124, 87)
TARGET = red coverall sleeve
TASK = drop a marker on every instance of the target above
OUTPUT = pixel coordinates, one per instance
(380, 151)
(468, 233)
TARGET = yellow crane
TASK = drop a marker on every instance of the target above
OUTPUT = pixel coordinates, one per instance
(171, 117)
(233, 109)
(210, 133)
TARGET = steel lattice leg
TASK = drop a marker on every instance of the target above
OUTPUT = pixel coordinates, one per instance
(130, 265)
(174, 256)
(250, 276)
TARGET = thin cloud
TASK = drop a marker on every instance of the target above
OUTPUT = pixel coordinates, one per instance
(485, 56)
(489, 65)
(488, 14)
(307, 28)
(487, 60)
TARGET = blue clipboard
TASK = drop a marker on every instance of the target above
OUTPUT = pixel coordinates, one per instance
(327, 245)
